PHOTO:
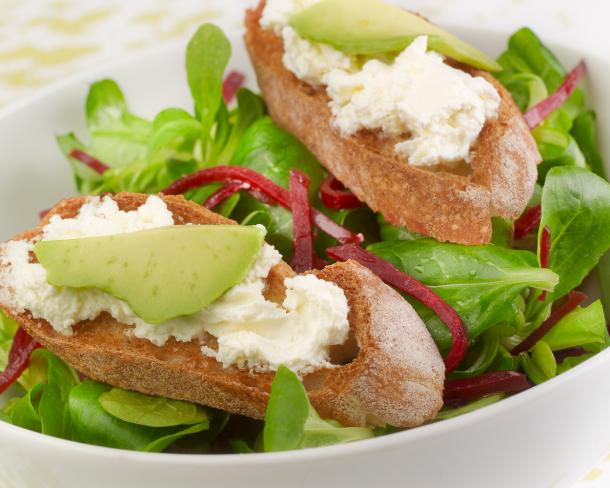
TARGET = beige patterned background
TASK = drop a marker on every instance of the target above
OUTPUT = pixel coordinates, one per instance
(44, 41)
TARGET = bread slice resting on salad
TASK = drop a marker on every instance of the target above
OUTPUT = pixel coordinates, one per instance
(389, 371)
(441, 201)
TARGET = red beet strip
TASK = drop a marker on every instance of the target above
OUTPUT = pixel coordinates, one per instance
(94, 163)
(575, 298)
(18, 358)
(539, 112)
(43, 213)
(231, 84)
(571, 352)
(409, 285)
(259, 184)
(470, 389)
(302, 237)
(334, 195)
(528, 222)
(545, 254)
(224, 192)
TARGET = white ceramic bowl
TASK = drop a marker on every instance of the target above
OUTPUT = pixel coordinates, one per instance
(546, 437)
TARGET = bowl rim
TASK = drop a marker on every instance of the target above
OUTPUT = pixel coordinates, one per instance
(380, 443)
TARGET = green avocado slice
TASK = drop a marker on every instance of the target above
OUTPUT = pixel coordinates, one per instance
(161, 273)
(373, 27)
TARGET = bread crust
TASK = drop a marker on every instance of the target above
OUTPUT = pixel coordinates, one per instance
(396, 376)
(447, 206)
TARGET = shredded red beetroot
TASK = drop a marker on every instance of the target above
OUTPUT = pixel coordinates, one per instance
(94, 163)
(334, 195)
(528, 222)
(319, 263)
(409, 285)
(539, 112)
(18, 358)
(571, 352)
(225, 192)
(302, 237)
(545, 254)
(575, 298)
(231, 84)
(470, 389)
(259, 184)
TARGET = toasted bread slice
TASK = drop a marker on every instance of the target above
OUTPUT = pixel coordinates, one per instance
(447, 204)
(392, 371)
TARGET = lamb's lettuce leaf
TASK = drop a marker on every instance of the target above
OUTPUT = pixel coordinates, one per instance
(23, 412)
(540, 365)
(527, 54)
(479, 282)
(532, 72)
(273, 152)
(151, 411)
(584, 326)
(8, 327)
(94, 425)
(239, 446)
(584, 131)
(207, 56)
(53, 406)
(117, 137)
(447, 412)
(569, 362)
(576, 209)
(173, 130)
(250, 108)
(292, 423)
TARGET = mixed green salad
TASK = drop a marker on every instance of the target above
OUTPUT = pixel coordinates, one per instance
(523, 282)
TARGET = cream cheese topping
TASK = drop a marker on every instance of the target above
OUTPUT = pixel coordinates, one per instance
(439, 110)
(251, 331)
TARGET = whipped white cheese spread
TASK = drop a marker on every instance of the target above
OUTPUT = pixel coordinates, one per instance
(439, 110)
(251, 332)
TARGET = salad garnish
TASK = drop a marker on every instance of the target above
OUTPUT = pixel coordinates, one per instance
(18, 358)
(458, 392)
(224, 192)
(545, 253)
(575, 298)
(335, 196)
(539, 112)
(232, 82)
(88, 160)
(261, 184)
(529, 221)
(302, 241)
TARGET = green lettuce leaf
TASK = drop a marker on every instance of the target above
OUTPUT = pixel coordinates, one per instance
(207, 55)
(479, 282)
(584, 326)
(151, 411)
(576, 208)
(117, 137)
(93, 425)
(292, 423)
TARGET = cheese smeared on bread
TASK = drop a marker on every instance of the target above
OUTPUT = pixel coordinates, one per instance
(249, 330)
(436, 111)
